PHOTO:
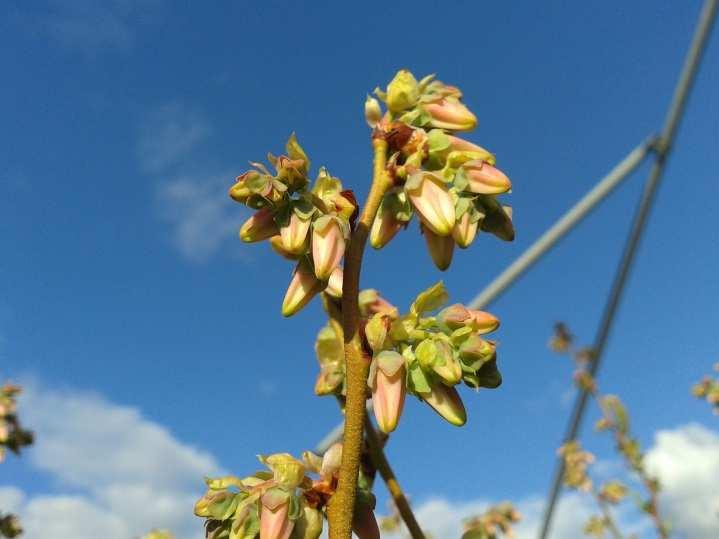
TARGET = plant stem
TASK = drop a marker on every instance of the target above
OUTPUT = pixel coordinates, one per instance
(341, 507)
(374, 445)
(607, 514)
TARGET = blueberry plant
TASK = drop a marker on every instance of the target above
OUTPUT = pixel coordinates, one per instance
(369, 349)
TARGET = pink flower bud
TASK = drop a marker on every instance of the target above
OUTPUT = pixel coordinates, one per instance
(446, 402)
(259, 227)
(370, 303)
(462, 145)
(334, 283)
(328, 245)
(303, 287)
(465, 230)
(274, 518)
(278, 247)
(483, 322)
(455, 316)
(475, 351)
(331, 461)
(440, 248)
(294, 234)
(372, 111)
(450, 113)
(388, 390)
(446, 365)
(486, 179)
(384, 227)
(433, 201)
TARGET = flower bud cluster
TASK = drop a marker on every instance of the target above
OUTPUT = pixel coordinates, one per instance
(10, 526)
(285, 502)
(496, 520)
(12, 435)
(449, 182)
(310, 227)
(576, 462)
(708, 389)
(428, 356)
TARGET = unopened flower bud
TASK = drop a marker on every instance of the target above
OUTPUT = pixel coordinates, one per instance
(370, 303)
(372, 111)
(483, 322)
(4, 432)
(446, 402)
(402, 92)
(475, 351)
(240, 192)
(328, 245)
(294, 234)
(440, 248)
(260, 226)
(309, 525)
(433, 201)
(485, 179)
(303, 287)
(465, 229)
(275, 520)
(384, 227)
(451, 114)
(331, 461)
(388, 390)
(334, 283)
(461, 145)
(446, 365)
(364, 523)
(278, 247)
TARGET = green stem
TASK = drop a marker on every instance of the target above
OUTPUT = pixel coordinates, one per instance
(341, 505)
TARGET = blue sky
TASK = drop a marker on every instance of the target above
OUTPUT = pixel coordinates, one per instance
(124, 122)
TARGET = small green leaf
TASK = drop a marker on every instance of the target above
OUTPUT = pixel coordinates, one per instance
(429, 300)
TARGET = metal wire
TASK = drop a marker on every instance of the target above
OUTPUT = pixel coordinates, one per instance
(663, 148)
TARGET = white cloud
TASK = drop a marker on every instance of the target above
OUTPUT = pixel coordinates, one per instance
(168, 134)
(200, 213)
(127, 474)
(91, 25)
(687, 461)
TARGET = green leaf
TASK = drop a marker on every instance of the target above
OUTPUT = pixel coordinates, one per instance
(429, 300)
(418, 380)
(295, 151)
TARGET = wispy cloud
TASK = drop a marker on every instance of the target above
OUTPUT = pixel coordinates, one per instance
(91, 25)
(168, 134)
(124, 473)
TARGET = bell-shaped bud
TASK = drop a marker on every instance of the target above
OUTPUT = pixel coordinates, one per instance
(260, 226)
(446, 365)
(240, 191)
(372, 111)
(449, 113)
(294, 234)
(402, 92)
(465, 229)
(446, 402)
(364, 523)
(454, 317)
(440, 248)
(475, 351)
(370, 303)
(485, 179)
(278, 247)
(328, 245)
(287, 471)
(303, 287)
(275, 520)
(331, 461)
(309, 525)
(394, 212)
(334, 283)
(497, 218)
(457, 144)
(388, 389)
(432, 200)
(483, 322)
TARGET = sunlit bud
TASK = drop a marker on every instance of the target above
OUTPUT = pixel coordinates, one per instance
(214, 504)
(240, 191)
(388, 390)
(334, 283)
(462, 145)
(259, 227)
(331, 461)
(294, 234)
(345, 204)
(303, 287)
(402, 92)
(370, 303)
(483, 322)
(433, 201)
(275, 522)
(475, 351)
(497, 218)
(287, 470)
(450, 114)
(372, 111)
(4, 432)
(446, 365)
(328, 245)
(279, 248)
(446, 402)
(613, 492)
(440, 248)
(384, 227)
(465, 230)
(364, 524)
(485, 179)
(309, 525)
(454, 317)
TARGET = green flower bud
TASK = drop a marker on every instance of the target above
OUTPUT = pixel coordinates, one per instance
(402, 92)
(446, 402)
(309, 525)
(287, 471)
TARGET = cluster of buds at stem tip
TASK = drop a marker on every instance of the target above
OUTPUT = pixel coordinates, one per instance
(451, 183)
(708, 389)
(310, 226)
(286, 502)
(426, 355)
(494, 522)
(12, 436)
